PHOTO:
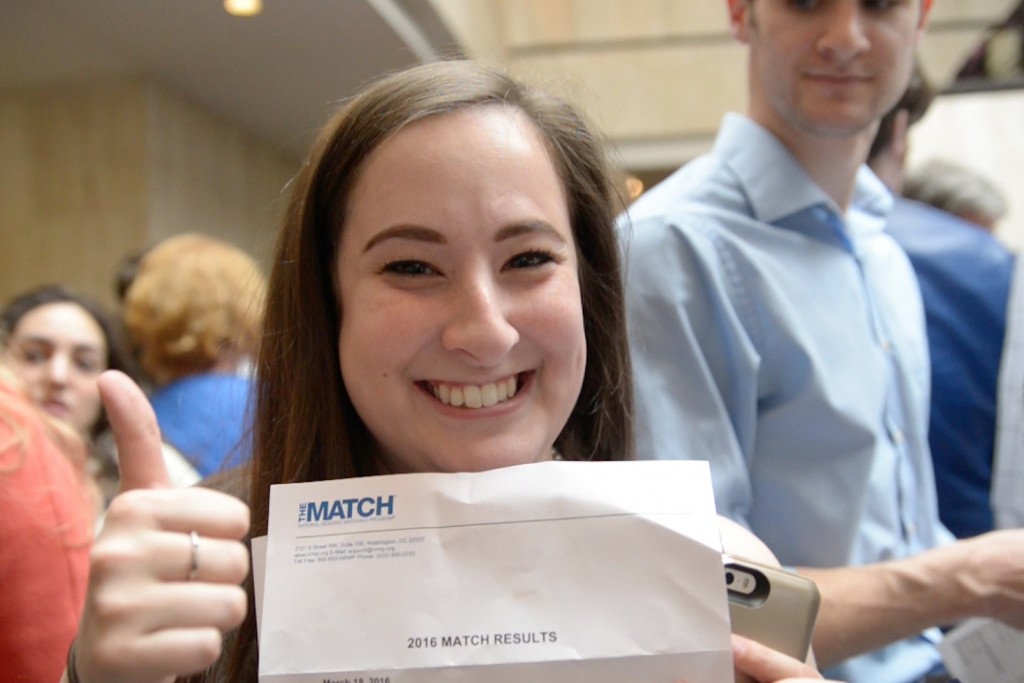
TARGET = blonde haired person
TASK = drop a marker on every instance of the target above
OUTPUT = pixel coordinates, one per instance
(193, 312)
(47, 511)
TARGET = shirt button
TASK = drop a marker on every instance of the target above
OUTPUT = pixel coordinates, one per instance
(897, 437)
(886, 345)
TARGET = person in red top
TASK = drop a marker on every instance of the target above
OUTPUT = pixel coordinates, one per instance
(47, 516)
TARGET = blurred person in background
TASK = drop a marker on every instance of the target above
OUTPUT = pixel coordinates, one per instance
(193, 311)
(57, 342)
(964, 275)
(957, 190)
(47, 513)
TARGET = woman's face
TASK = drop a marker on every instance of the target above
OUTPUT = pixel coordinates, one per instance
(461, 343)
(59, 350)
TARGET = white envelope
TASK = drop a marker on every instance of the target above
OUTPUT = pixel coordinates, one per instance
(549, 572)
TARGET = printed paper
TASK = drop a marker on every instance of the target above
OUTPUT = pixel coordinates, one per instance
(548, 572)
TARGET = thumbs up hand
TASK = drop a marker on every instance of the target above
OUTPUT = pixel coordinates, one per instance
(165, 570)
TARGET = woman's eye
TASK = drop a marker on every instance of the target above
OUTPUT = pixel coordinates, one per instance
(530, 259)
(89, 365)
(32, 356)
(408, 268)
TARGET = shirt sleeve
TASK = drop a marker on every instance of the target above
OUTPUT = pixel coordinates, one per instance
(695, 366)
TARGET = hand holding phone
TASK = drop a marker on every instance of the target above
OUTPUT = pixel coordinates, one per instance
(770, 605)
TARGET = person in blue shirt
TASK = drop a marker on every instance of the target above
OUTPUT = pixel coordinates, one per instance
(193, 310)
(964, 274)
(777, 331)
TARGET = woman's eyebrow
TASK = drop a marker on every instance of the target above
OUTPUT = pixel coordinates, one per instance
(421, 234)
(36, 340)
(405, 232)
(527, 228)
(49, 344)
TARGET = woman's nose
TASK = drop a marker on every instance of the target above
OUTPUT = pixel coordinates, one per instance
(58, 369)
(478, 326)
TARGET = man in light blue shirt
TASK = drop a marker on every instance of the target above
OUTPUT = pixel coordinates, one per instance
(778, 332)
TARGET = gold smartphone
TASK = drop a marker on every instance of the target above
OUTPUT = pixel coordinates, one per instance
(771, 605)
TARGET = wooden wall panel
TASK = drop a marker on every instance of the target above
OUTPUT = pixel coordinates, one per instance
(72, 191)
(205, 175)
(91, 173)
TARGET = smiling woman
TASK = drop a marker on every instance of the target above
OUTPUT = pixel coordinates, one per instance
(446, 297)
(480, 294)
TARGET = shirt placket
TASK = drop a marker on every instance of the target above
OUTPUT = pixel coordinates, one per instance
(895, 416)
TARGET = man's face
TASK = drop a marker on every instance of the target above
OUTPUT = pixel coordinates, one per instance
(827, 68)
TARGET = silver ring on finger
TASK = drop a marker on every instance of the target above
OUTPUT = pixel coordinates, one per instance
(193, 568)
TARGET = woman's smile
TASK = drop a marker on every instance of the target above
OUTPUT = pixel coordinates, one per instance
(458, 278)
(472, 396)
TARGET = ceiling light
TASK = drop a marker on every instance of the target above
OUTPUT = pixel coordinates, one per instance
(243, 8)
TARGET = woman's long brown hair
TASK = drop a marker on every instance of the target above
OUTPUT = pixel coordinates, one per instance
(306, 428)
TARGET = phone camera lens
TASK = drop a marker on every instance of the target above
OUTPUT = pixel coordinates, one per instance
(729, 578)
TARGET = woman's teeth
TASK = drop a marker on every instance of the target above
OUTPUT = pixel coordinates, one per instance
(476, 396)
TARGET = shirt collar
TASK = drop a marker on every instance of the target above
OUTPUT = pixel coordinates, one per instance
(779, 189)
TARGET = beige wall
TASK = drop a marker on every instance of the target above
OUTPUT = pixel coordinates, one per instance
(90, 173)
(657, 75)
